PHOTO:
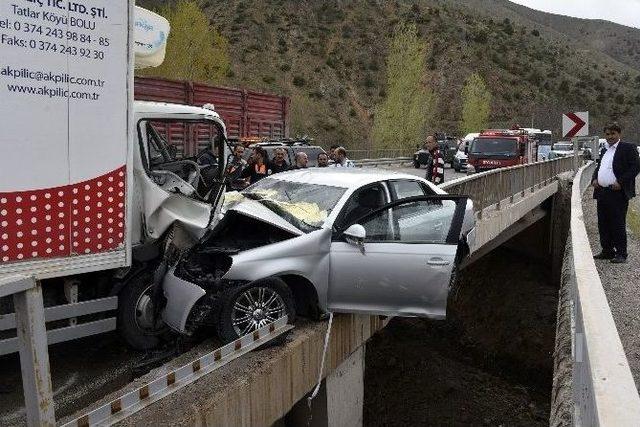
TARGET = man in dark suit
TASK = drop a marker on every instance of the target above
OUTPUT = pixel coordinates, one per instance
(614, 182)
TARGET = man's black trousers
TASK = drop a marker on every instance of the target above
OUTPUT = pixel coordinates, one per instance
(612, 221)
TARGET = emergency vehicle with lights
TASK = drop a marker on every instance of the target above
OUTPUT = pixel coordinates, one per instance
(499, 148)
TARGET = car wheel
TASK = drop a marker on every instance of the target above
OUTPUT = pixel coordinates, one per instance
(135, 314)
(416, 164)
(253, 306)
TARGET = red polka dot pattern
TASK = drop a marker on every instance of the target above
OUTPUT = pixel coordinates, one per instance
(82, 218)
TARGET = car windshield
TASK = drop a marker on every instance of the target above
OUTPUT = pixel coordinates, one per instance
(563, 147)
(304, 205)
(494, 146)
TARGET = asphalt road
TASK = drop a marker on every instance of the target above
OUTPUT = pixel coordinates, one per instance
(85, 370)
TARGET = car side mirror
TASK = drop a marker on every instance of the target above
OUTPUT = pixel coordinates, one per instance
(355, 235)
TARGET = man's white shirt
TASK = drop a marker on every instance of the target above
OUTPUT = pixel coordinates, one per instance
(347, 164)
(606, 176)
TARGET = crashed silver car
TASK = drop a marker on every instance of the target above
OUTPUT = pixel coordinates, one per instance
(312, 241)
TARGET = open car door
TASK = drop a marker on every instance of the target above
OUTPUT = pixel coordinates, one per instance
(397, 260)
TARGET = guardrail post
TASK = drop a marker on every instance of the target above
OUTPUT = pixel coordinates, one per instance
(32, 344)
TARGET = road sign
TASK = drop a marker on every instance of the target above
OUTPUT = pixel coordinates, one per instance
(575, 124)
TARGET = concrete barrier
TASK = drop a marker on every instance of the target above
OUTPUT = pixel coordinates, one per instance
(593, 385)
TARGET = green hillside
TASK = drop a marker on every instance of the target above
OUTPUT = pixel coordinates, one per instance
(330, 58)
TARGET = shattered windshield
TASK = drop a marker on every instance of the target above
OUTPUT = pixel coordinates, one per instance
(304, 205)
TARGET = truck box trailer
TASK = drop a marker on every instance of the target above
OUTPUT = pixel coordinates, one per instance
(94, 187)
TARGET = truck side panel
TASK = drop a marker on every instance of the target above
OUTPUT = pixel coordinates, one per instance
(66, 110)
(246, 113)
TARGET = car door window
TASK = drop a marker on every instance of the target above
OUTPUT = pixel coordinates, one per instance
(419, 221)
(405, 188)
(361, 202)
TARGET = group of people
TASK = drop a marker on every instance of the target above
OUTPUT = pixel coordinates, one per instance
(242, 173)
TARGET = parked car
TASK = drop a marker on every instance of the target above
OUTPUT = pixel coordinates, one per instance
(460, 158)
(561, 149)
(292, 147)
(317, 240)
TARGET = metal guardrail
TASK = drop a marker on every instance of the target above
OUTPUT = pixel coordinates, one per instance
(494, 186)
(32, 344)
(382, 161)
(174, 379)
(604, 391)
(380, 154)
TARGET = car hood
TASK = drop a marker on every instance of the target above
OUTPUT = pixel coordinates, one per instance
(258, 211)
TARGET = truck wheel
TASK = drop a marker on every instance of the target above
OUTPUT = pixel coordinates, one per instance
(135, 314)
(416, 164)
(252, 306)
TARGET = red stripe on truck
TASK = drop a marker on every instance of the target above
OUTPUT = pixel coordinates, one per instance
(82, 218)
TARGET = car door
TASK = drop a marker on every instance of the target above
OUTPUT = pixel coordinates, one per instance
(404, 265)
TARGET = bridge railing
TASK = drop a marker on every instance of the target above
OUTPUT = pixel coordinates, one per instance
(603, 389)
(495, 186)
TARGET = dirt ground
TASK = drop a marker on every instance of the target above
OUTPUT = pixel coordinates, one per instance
(417, 375)
(489, 363)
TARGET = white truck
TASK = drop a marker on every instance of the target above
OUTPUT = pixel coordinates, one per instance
(95, 186)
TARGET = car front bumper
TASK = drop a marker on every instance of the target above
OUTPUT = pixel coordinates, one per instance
(181, 297)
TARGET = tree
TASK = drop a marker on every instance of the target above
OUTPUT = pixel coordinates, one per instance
(401, 120)
(195, 49)
(476, 105)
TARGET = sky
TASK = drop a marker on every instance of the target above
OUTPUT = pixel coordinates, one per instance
(625, 12)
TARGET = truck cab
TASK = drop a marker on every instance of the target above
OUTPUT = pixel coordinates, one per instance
(498, 148)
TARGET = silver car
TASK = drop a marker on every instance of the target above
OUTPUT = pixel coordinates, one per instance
(316, 240)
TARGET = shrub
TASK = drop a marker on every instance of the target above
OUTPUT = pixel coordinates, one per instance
(299, 81)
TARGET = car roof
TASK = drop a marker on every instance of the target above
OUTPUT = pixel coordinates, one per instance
(341, 177)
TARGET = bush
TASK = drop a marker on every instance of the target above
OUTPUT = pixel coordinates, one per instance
(535, 33)
(299, 81)
(268, 79)
(285, 67)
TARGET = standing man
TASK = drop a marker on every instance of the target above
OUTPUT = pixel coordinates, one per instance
(614, 183)
(341, 160)
(279, 164)
(301, 160)
(235, 165)
(323, 160)
(435, 165)
(332, 154)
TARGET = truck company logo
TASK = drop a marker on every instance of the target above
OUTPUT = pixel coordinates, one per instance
(491, 162)
(81, 218)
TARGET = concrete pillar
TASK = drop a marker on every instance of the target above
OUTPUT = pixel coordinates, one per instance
(339, 402)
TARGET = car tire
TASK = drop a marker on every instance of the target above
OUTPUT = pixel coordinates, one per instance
(133, 299)
(416, 164)
(231, 327)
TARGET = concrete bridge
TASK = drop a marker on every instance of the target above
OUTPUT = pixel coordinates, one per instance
(592, 381)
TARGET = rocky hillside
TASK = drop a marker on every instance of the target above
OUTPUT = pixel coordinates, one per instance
(329, 57)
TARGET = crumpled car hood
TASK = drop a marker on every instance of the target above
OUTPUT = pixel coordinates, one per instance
(257, 210)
